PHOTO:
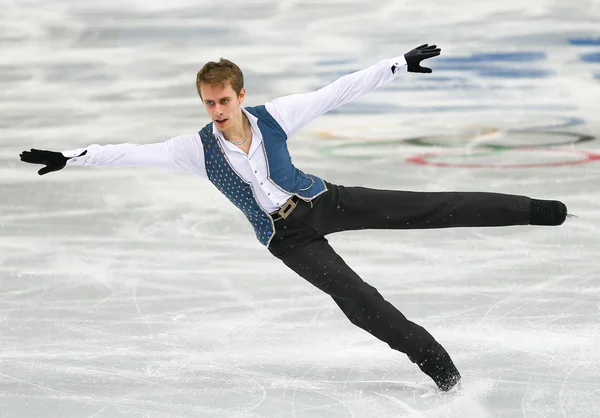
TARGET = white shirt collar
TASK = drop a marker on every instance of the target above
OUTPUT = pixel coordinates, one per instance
(253, 123)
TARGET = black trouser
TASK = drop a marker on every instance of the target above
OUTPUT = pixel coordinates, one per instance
(300, 243)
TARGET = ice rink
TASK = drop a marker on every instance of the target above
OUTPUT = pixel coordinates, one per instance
(139, 293)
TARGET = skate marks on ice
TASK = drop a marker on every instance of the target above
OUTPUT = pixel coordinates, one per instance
(464, 401)
(176, 388)
(350, 397)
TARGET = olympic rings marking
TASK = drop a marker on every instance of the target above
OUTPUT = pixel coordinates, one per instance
(442, 141)
(562, 122)
(332, 151)
(588, 157)
(474, 143)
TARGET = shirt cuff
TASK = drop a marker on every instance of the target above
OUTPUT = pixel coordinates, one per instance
(73, 154)
(396, 64)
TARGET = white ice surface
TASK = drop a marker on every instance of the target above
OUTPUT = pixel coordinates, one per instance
(137, 293)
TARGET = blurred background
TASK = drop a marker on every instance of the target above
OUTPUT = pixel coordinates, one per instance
(141, 293)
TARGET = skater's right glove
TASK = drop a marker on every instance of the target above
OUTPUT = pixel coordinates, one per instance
(420, 53)
(52, 160)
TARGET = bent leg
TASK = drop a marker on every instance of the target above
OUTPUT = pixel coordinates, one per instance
(321, 266)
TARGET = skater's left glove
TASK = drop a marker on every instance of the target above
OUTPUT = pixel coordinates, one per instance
(420, 53)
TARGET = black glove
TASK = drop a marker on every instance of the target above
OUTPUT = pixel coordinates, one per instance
(53, 161)
(420, 53)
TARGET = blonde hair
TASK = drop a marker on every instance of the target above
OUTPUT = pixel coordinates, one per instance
(218, 74)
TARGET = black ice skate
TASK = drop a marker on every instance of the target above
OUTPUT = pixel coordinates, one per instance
(547, 212)
(439, 366)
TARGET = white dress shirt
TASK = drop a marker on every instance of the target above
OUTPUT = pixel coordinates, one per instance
(185, 153)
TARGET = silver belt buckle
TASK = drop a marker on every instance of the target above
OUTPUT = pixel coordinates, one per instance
(287, 208)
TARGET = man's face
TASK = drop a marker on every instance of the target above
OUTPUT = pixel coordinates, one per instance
(221, 103)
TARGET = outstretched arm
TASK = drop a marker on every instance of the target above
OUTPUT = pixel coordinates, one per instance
(297, 110)
(182, 153)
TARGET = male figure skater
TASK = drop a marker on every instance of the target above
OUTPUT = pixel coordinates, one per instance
(244, 153)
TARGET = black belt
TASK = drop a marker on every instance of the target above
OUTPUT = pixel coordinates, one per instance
(287, 208)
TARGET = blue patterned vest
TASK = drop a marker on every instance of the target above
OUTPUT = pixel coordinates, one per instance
(281, 172)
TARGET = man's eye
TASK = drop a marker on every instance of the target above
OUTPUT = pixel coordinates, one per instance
(224, 100)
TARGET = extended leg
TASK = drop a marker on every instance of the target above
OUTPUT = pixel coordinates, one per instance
(354, 208)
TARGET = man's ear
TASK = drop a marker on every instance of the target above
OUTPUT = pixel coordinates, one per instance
(242, 95)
